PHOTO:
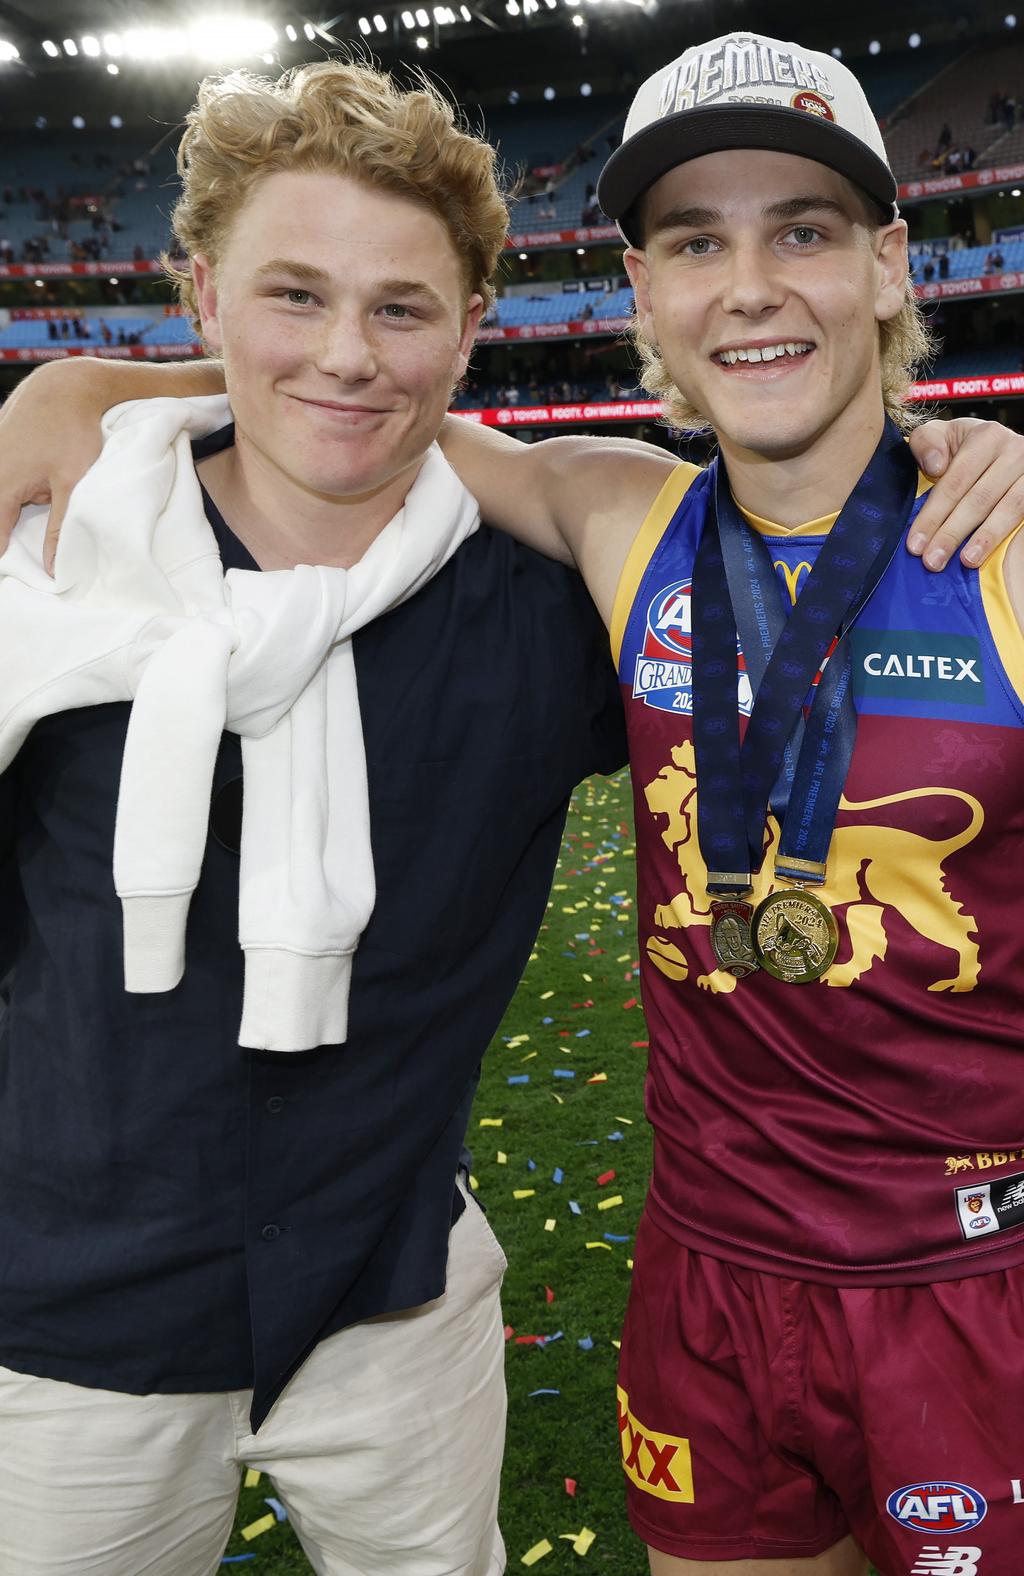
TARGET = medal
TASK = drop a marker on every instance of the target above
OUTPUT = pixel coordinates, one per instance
(794, 935)
(731, 938)
(794, 754)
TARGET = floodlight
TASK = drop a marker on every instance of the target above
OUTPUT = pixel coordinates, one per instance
(1015, 192)
(70, 47)
(421, 43)
(874, 48)
(581, 251)
(513, 97)
(549, 94)
(408, 20)
(422, 18)
(113, 280)
(8, 51)
(228, 37)
(837, 52)
(291, 34)
(40, 122)
(1011, 20)
(310, 31)
(113, 44)
(116, 122)
(522, 257)
(78, 122)
(380, 24)
(113, 69)
(50, 48)
(585, 88)
(578, 21)
(512, 7)
(39, 284)
(90, 46)
(465, 13)
(364, 26)
(914, 40)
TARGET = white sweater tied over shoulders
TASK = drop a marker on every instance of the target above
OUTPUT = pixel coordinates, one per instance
(141, 610)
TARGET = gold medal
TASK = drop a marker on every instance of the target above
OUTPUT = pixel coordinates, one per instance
(795, 936)
(730, 937)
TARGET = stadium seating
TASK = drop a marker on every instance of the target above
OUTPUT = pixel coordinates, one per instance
(959, 95)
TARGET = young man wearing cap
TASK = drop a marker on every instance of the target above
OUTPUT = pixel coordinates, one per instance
(808, 1277)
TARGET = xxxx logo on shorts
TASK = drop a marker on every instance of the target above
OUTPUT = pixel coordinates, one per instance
(657, 1463)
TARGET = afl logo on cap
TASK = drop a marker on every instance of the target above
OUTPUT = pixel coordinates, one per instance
(937, 1507)
(814, 104)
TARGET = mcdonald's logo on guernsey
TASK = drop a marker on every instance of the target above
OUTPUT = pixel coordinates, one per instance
(657, 1463)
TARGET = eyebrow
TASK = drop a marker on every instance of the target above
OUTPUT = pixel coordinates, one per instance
(313, 275)
(776, 212)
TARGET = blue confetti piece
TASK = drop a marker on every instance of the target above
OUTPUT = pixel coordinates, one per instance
(616, 1137)
(545, 1340)
(277, 1508)
(610, 1237)
(583, 935)
(575, 1207)
(547, 1020)
(585, 1344)
(520, 1078)
(568, 954)
(531, 1165)
(557, 1174)
(581, 1034)
(543, 1392)
(582, 1143)
(564, 1072)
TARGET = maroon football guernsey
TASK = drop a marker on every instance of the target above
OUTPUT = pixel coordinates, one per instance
(867, 1128)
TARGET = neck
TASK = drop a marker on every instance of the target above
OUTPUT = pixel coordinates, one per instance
(283, 524)
(791, 488)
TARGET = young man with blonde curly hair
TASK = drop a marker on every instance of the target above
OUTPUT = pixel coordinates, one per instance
(801, 1248)
(224, 1245)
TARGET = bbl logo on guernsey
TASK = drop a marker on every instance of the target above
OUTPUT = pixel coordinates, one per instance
(944, 1508)
(663, 676)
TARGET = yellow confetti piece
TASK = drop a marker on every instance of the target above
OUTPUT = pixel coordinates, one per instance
(474, 1184)
(524, 1192)
(581, 1541)
(610, 1203)
(560, 886)
(528, 1057)
(558, 1098)
(625, 956)
(598, 1078)
(617, 1345)
(546, 995)
(532, 1555)
(569, 910)
(605, 1245)
(252, 1477)
(589, 978)
(549, 1225)
(502, 1158)
(492, 1121)
(533, 957)
(256, 1529)
(627, 1119)
(629, 1264)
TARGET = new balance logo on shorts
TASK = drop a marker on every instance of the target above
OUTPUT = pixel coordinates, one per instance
(657, 1463)
(933, 1561)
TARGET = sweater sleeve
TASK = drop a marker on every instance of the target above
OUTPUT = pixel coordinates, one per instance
(10, 894)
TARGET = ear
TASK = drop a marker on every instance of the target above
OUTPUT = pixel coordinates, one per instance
(640, 278)
(474, 312)
(893, 266)
(206, 298)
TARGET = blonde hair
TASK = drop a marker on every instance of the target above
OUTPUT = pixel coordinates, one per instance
(340, 118)
(905, 343)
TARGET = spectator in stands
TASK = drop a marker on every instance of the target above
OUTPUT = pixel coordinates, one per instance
(928, 270)
(993, 261)
(945, 138)
(943, 265)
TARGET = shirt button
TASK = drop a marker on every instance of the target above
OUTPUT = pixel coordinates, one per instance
(270, 1232)
(275, 1103)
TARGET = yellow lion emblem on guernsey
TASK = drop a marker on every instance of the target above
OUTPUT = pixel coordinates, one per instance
(870, 869)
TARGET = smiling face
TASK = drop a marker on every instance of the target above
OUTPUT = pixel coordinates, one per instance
(340, 311)
(763, 285)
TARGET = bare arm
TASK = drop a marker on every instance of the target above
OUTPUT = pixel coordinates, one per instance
(580, 500)
(37, 469)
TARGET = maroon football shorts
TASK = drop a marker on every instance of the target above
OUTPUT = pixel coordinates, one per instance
(767, 1418)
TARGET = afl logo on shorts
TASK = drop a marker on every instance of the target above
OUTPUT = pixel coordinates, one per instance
(937, 1507)
(813, 104)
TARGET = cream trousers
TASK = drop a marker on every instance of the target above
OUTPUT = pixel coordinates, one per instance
(385, 1449)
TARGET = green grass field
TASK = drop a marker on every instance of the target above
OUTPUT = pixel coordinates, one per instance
(576, 1011)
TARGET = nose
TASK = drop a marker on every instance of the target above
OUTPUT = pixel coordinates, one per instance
(347, 349)
(752, 285)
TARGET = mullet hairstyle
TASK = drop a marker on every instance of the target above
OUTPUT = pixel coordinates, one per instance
(905, 344)
(338, 118)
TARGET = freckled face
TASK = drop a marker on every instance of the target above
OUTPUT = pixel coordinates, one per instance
(763, 286)
(341, 315)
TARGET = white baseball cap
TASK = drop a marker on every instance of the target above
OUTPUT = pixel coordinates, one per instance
(746, 91)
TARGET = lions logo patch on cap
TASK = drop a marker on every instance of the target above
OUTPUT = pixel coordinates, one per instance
(814, 104)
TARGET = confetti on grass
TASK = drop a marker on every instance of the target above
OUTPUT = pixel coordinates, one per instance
(256, 1529)
(538, 1552)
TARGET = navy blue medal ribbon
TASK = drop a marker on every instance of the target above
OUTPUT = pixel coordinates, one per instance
(792, 764)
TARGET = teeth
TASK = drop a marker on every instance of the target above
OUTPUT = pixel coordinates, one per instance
(753, 353)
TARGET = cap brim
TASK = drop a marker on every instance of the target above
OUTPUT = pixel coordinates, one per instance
(648, 155)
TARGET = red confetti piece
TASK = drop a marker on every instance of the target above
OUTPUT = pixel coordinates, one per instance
(549, 1294)
(528, 1340)
(509, 1332)
(570, 1487)
(609, 1176)
(630, 1003)
(641, 1045)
